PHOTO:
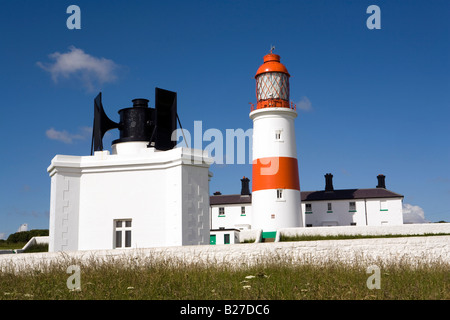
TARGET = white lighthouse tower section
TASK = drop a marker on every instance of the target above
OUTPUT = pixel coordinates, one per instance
(273, 138)
(137, 197)
(273, 133)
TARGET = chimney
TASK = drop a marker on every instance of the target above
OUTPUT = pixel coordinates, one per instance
(245, 190)
(329, 182)
(381, 182)
(217, 193)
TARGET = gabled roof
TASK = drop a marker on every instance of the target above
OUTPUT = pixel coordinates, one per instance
(229, 199)
(343, 194)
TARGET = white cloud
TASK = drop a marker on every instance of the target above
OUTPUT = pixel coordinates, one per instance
(67, 137)
(413, 214)
(304, 104)
(76, 63)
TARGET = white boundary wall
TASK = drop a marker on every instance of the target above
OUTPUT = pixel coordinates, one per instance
(410, 250)
(405, 229)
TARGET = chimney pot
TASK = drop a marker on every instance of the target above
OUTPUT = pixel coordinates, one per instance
(329, 182)
(245, 190)
(381, 181)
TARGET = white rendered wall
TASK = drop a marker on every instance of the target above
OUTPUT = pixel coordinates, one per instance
(367, 212)
(164, 194)
(270, 213)
(377, 217)
(232, 219)
(195, 205)
(265, 123)
(64, 207)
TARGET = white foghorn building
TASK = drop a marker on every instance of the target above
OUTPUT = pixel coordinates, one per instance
(137, 195)
(329, 207)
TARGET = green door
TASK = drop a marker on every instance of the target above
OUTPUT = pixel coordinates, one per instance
(226, 238)
(212, 239)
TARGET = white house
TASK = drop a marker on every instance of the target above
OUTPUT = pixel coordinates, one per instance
(328, 207)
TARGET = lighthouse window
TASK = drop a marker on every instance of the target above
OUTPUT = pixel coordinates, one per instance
(272, 85)
(278, 135)
(122, 234)
(279, 193)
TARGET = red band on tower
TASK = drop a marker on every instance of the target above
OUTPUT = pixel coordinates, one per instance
(275, 173)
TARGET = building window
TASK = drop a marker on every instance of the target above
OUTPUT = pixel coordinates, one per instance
(221, 212)
(226, 238)
(122, 233)
(242, 211)
(329, 208)
(352, 206)
(279, 194)
(308, 208)
(383, 205)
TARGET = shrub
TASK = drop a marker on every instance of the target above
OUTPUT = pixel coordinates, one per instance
(25, 236)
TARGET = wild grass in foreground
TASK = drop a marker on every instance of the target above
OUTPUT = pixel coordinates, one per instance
(276, 279)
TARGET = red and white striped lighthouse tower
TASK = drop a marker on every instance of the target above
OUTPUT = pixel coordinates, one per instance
(275, 182)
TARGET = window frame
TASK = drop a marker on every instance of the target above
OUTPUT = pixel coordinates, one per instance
(329, 207)
(280, 195)
(123, 233)
(310, 208)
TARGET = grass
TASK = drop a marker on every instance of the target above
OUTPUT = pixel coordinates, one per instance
(356, 236)
(276, 278)
(11, 245)
(37, 248)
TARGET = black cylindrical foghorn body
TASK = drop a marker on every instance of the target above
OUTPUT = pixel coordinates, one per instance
(136, 123)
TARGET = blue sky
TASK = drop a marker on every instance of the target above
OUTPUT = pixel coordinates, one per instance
(370, 101)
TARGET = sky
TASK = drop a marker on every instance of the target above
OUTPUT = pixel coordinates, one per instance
(369, 101)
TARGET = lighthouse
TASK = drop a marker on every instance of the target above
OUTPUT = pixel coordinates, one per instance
(275, 186)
